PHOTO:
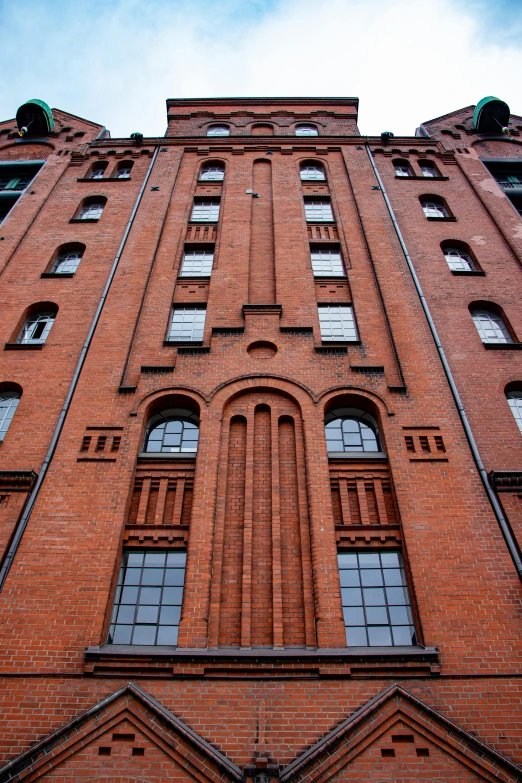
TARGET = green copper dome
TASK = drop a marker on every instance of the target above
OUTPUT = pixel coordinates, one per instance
(490, 115)
(36, 116)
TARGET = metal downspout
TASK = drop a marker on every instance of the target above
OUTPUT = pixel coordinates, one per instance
(497, 508)
(24, 519)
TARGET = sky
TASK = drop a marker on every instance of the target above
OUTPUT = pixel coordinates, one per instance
(115, 62)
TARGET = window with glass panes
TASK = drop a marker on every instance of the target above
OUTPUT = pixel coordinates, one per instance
(14, 183)
(124, 170)
(351, 434)
(514, 399)
(172, 434)
(212, 172)
(67, 263)
(306, 130)
(149, 596)
(205, 211)
(187, 324)
(490, 327)
(36, 329)
(98, 170)
(458, 260)
(327, 262)
(8, 404)
(376, 603)
(311, 171)
(434, 209)
(197, 263)
(403, 170)
(91, 211)
(337, 323)
(218, 130)
(428, 170)
(318, 210)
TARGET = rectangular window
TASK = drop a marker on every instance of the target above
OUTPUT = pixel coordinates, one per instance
(376, 604)
(149, 595)
(327, 262)
(197, 263)
(337, 323)
(187, 324)
(14, 179)
(318, 210)
(205, 211)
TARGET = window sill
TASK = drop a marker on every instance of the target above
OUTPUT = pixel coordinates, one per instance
(184, 343)
(503, 346)
(168, 455)
(358, 455)
(57, 274)
(468, 273)
(104, 179)
(23, 346)
(84, 220)
(194, 278)
(322, 222)
(442, 219)
(424, 179)
(203, 222)
(329, 278)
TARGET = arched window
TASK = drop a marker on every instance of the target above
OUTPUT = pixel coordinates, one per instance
(67, 259)
(514, 399)
(97, 170)
(351, 429)
(91, 208)
(458, 260)
(490, 326)
(218, 130)
(212, 172)
(312, 171)
(123, 169)
(306, 130)
(402, 168)
(174, 430)
(36, 327)
(428, 168)
(9, 399)
(434, 208)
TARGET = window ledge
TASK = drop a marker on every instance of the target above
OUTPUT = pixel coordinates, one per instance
(163, 662)
(168, 455)
(103, 179)
(503, 346)
(358, 455)
(424, 179)
(84, 220)
(442, 219)
(23, 346)
(194, 278)
(322, 222)
(184, 343)
(468, 273)
(329, 278)
(203, 222)
(57, 274)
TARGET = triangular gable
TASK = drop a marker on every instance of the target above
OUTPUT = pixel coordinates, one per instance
(127, 735)
(385, 720)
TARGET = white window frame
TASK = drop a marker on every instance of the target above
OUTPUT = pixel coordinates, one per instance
(459, 260)
(403, 170)
(306, 130)
(67, 263)
(197, 263)
(313, 173)
(491, 327)
(123, 170)
(205, 211)
(218, 130)
(337, 323)
(33, 325)
(425, 167)
(187, 324)
(435, 209)
(514, 400)
(327, 262)
(91, 211)
(318, 210)
(214, 172)
(9, 401)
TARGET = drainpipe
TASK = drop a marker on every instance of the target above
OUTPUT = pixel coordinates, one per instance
(24, 519)
(497, 508)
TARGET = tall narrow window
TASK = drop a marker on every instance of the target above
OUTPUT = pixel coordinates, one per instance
(212, 172)
(149, 596)
(123, 170)
(428, 169)
(514, 399)
(434, 209)
(327, 262)
(376, 603)
(10, 182)
(8, 404)
(337, 323)
(91, 210)
(402, 168)
(312, 172)
(36, 329)
(172, 431)
(67, 262)
(205, 211)
(318, 210)
(187, 324)
(491, 327)
(218, 130)
(97, 170)
(306, 130)
(197, 262)
(458, 260)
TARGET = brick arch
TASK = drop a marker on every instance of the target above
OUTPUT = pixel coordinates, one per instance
(32, 151)
(334, 391)
(197, 395)
(225, 391)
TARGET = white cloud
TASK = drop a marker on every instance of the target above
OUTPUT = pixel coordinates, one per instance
(116, 62)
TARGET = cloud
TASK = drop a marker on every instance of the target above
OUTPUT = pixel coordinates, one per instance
(116, 61)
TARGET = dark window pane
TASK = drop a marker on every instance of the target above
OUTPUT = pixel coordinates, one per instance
(376, 615)
(152, 576)
(174, 576)
(351, 596)
(350, 578)
(369, 560)
(390, 559)
(373, 596)
(393, 576)
(135, 559)
(122, 634)
(176, 558)
(397, 595)
(132, 576)
(126, 614)
(150, 595)
(403, 634)
(371, 577)
(172, 595)
(144, 634)
(346, 560)
(129, 595)
(147, 614)
(353, 615)
(379, 635)
(356, 637)
(400, 615)
(155, 558)
(170, 615)
(167, 634)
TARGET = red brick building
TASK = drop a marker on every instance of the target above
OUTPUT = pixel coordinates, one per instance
(260, 478)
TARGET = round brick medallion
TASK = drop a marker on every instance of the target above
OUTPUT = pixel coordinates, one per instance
(262, 349)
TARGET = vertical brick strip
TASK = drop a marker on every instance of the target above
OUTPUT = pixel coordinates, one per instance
(178, 501)
(363, 503)
(381, 504)
(217, 564)
(262, 268)
(160, 504)
(246, 596)
(277, 588)
(304, 534)
(144, 502)
(345, 501)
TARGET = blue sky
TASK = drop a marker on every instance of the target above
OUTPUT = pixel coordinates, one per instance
(116, 61)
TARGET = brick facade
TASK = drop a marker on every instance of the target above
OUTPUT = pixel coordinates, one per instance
(261, 684)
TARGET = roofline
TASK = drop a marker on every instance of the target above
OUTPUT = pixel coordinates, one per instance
(263, 100)
(77, 117)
